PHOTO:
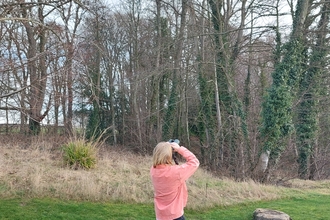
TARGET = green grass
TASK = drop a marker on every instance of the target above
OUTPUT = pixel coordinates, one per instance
(16, 209)
(307, 207)
(304, 207)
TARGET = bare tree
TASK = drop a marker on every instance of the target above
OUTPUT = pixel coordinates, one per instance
(34, 18)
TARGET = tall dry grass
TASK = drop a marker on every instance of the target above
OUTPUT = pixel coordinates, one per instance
(34, 168)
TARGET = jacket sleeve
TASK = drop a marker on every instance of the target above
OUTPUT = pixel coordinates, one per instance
(192, 163)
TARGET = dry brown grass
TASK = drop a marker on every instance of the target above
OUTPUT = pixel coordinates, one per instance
(34, 168)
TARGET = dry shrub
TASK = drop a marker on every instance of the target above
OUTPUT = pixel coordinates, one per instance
(38, 171)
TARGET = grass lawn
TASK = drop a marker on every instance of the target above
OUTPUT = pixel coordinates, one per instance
(307, 207)
(304, 207)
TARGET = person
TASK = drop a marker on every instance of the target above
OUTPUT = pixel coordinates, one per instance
(169, 180)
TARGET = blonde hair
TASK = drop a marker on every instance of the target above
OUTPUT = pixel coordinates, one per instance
(162, 154)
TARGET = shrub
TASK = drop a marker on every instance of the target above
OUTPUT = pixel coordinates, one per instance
(80, 154)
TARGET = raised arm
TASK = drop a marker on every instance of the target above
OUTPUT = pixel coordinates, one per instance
(190, 166)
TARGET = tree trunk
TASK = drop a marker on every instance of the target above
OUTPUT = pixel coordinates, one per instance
(307, 122)
(36, 69)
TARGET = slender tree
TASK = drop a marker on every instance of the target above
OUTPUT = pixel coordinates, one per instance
(170, 128)
(228, 47)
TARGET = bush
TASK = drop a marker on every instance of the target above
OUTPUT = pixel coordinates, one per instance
(80, 154)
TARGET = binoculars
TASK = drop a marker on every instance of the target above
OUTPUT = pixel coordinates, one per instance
(174, 141)
(173, 153)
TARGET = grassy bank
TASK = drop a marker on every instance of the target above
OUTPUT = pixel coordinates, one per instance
(36, 170)
(120, 188)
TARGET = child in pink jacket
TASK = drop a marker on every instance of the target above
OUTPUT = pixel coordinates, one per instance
(169, 180)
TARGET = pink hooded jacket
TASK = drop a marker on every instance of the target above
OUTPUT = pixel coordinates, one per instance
(170, 190)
